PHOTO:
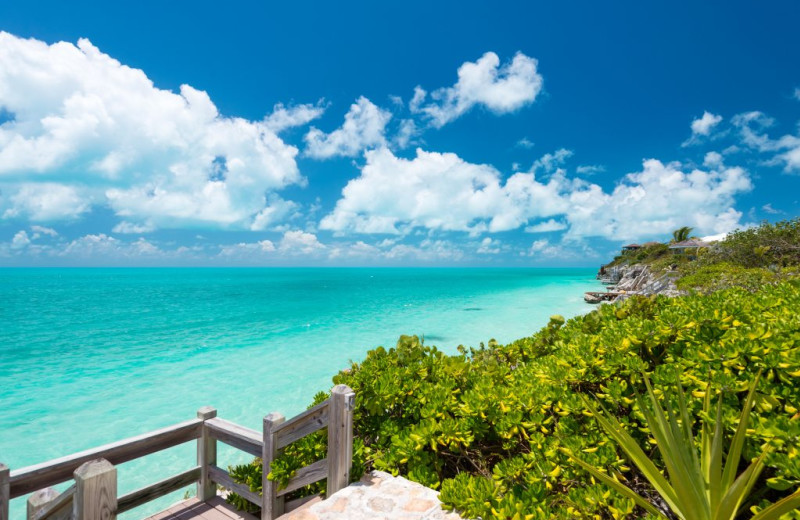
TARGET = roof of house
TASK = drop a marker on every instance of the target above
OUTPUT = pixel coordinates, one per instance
(631, 246)
(692, 242)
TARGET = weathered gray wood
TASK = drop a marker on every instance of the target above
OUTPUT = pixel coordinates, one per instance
(223, 478)
(298, 502)
(31, 478)
(95, 491)
(39, 500)
(245, 439)
(340, 438)
(271, 503)
(5, 491)
(58, 509)
(157, 490)
(206, 455)
(306, 475)
(308, 422)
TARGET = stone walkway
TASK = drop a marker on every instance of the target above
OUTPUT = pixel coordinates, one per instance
(378, 496)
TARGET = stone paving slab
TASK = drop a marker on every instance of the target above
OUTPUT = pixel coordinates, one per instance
(378, 496)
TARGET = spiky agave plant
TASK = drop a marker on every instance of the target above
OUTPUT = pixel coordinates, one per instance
(699, 487)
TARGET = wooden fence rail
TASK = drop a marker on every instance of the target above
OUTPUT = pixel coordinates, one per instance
(94, 493)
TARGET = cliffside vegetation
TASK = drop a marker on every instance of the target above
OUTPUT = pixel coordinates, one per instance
(745, 258)
(498, 429)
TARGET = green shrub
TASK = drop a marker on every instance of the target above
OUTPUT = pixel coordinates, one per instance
(763, 246)
(490, 427)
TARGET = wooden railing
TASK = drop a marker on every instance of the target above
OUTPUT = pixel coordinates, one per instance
(94, 493)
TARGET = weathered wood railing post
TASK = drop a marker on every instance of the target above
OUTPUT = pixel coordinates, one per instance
(340, 438)
(271, 503)
(95, 491)
(39, 500)
(5, 491)
(206, 456)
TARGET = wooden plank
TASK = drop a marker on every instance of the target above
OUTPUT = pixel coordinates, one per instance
(157, 490)
(31, 478)
(245, 439)
(299, 502)
(223, 478)
(206, 455)
(313, 419)
(5, 491)
(95, 491)
(340, 438)
(306, 475)
(271, 503)
(58, 509)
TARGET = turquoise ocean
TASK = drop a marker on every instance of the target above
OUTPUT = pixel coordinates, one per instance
(91, 356)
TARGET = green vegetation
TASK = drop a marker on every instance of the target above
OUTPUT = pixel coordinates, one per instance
(699, 487)
(514, 431)
(494, 428)
(681, 234)
(746, 258)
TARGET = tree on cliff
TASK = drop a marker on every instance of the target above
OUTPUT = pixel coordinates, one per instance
(681, 234)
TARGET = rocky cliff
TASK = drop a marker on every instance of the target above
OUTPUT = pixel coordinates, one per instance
(640, 279)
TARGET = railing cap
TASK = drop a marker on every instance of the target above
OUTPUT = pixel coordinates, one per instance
(342, 389)
(93, 468)
(206, 412)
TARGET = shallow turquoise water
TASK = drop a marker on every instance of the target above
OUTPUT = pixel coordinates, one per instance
(90, 356)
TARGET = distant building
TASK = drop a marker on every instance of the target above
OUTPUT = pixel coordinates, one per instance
(631, 247)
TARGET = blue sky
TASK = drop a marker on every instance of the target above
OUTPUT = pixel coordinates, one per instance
(463, 133)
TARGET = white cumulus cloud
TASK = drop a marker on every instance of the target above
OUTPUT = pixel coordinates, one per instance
(784, 150)
(285, 117)
(704, 124)
(364, 127)
(87, 130)
(20, 240)
(442, 192)
(47, 201)
(300, 242)
(501, 89)
(547, 226)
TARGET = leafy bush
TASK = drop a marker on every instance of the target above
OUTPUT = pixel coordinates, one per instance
(763, 246)
(490, 427)
(297, 455)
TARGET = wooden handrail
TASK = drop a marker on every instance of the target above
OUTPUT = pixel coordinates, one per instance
(98, 465)
(223, 478)
(245, 439)
(31, 478)
(308, 422)
(306, 475)
(157, 490)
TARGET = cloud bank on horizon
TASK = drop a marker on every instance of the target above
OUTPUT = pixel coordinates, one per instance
(82, 135)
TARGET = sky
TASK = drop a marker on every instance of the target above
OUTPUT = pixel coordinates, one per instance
(389, 133)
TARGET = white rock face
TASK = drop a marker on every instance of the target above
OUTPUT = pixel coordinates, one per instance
(639, 279)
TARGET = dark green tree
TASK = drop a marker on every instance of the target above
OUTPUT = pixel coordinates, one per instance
(681, 234)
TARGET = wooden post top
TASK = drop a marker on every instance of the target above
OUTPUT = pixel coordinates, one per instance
(206, 412)
(342, 389)
(42, 497)
(274, 418)
(93, 468)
